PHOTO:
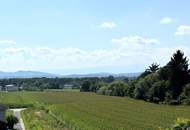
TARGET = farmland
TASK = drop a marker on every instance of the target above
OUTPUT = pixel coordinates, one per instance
(88, 111)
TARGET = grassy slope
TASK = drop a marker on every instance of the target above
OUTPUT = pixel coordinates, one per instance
(39, 119)
(94, 112)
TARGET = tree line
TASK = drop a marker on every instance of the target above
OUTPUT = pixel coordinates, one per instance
(40, 84)
(169, 84)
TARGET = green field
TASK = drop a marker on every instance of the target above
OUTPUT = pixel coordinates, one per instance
(88, 111)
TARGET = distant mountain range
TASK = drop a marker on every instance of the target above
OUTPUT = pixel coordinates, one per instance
(26, 74)
(36, 74)
(104, 75)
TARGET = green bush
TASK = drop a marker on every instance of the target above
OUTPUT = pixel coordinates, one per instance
(118, 88)
(180, 124)
(157, 92)
(186, 92)
(141, 89)
(103, 91)
(186, 101)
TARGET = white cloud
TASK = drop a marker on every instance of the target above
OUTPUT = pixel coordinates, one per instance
(134, 40)
(15, 50)
(130, 51)
(166, 20)
(6, 42)
(183, 30)
(108, 25)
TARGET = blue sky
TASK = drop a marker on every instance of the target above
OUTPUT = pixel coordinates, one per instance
(82, 36)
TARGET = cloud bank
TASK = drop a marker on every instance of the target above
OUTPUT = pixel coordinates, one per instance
(7, 42)
(127, 51)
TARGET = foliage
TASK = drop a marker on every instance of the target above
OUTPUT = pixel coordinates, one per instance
(143, 85)
(181, 124)
(186, 91)
(109, 79)
(179, 73)
(157, 92)
(40, 119)
(85, 86)
(168, 84)
(102, 89)
(185, 95)
(118, 88)
(40, 84)
(153, 68)
(140, 89)
(165, 84)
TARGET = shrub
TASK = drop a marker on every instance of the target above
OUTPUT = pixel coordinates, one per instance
(174, 102)
(118, 88)
(141, 88)
(85, 86)
(180, 124)
(186, 101)
(157, 91)
(100, 85)
(103, 91)
(186, 91)
(143, 85)
(185, 95)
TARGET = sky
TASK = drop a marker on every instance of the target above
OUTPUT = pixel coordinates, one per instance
(82, 36)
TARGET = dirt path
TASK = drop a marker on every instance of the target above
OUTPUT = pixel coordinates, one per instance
(20, 124)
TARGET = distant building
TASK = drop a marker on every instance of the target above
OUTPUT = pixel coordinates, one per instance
(2, 117)
(68, 86)
(1, 88)
(11, 87)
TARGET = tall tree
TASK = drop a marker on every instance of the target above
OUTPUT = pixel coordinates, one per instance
(85, 86)
(153, 68)
(179, 73)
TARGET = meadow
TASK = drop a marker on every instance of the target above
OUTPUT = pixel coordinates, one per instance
(88, 111)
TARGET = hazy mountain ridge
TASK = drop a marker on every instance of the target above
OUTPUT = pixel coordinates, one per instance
(104, 75)
(36, 74)
(26, 74)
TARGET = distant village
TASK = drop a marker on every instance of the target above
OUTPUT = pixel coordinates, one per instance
(10, 87)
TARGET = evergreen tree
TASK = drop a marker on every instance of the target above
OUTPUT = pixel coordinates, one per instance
(153, 68)
(179, 73)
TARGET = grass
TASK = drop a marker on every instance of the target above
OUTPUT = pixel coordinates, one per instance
(16, 99)
(9, 112)
(88, 111)
(40, 119)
